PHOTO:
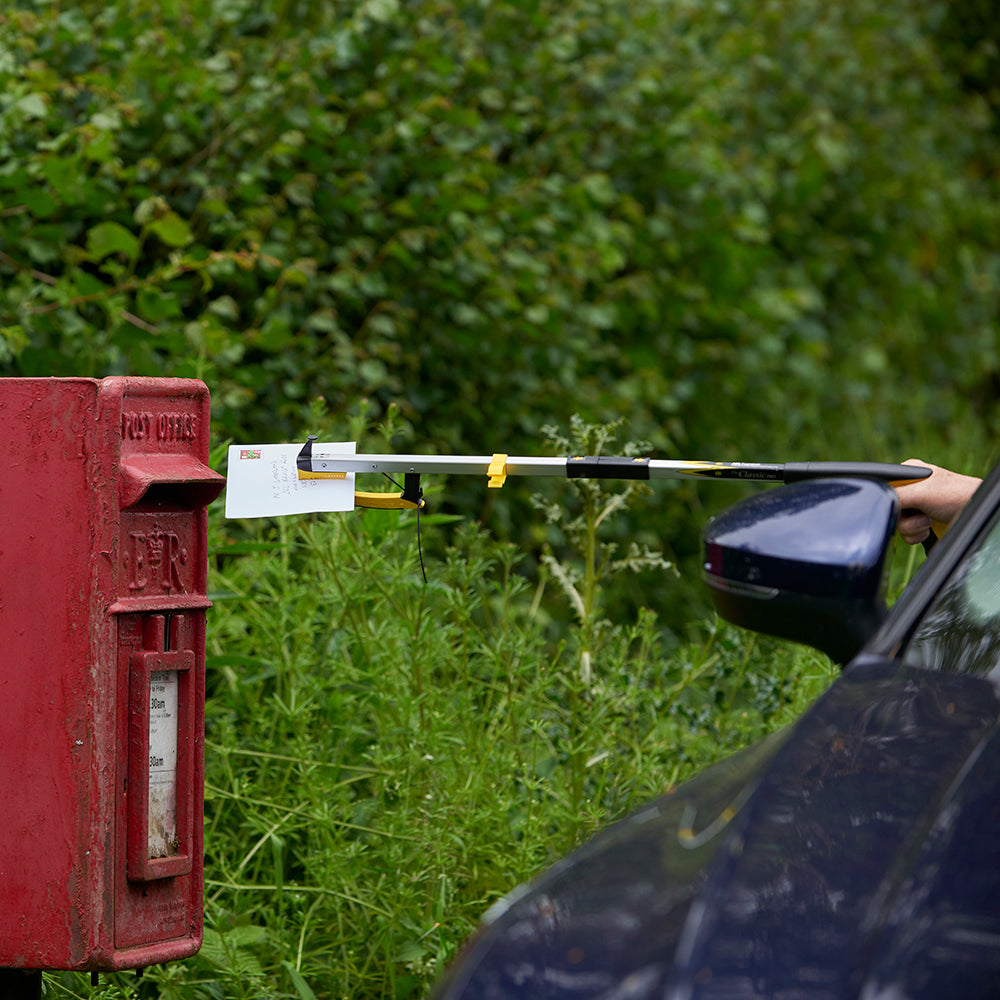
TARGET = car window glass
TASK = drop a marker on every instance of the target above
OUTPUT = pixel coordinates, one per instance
(960, 632)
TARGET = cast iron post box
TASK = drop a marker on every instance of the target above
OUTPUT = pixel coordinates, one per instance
(103, 493)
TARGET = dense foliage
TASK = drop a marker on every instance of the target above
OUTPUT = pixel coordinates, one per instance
(759, 229)
(968, 35)
(734, 224)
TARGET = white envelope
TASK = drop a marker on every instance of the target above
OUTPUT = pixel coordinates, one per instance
(262, 481)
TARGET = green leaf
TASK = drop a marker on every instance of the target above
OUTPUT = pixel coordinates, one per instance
(301, 986)
(148, 209)
(410, 951)
(155, 304)
(379, 10)
(228, 951)
(100, 149)
(600, 188)
(172, 229)
(13, 340)
(226, 307)
(33, 106)
(40, 203)
(66, 178)
(107, 120)
(110, 237)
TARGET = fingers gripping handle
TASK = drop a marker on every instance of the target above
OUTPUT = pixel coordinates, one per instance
(936, 531)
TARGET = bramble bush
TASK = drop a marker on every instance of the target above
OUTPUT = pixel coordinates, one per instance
(736, 224)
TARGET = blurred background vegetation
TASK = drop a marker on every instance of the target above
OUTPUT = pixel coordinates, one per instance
(751, 229)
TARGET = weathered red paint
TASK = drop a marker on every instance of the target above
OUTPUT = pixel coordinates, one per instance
(103, 488)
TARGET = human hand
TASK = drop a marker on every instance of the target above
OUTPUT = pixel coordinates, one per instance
(937, 500)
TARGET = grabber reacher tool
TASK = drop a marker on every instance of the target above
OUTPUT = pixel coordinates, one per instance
(317, 465)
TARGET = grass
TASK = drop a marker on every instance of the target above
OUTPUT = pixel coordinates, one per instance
(386, 757)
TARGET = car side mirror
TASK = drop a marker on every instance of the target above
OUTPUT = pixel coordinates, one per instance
(805, 562)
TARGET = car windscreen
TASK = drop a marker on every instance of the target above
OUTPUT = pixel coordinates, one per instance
(960, 631)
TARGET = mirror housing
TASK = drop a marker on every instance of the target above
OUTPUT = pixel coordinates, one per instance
(805, 562)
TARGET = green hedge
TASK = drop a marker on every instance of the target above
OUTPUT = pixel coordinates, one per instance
(753, 229)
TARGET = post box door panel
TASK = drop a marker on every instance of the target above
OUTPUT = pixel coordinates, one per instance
(160, 776)
(158, 836)
(164, 485)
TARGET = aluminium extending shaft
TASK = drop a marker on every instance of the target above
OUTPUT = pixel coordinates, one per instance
(499, 466)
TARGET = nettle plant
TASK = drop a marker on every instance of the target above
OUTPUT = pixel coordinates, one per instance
(589, 561)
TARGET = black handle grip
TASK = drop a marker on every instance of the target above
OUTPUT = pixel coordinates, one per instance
(795, 472)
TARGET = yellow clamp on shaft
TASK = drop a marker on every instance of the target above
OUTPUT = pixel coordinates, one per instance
(497, 471)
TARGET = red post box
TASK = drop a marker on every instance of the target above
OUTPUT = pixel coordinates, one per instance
(103, 492)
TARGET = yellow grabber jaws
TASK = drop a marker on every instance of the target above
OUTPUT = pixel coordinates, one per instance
(410, 499)
(386, 501)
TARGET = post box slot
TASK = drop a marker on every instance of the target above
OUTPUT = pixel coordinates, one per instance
(176, 496)
(174, 481)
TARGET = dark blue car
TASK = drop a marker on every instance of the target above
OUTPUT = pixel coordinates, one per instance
(855, 854)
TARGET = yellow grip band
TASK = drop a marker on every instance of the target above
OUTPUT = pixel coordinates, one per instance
(305, 474)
